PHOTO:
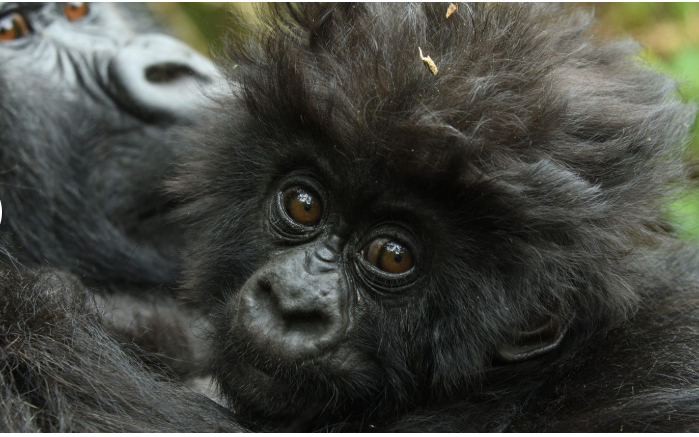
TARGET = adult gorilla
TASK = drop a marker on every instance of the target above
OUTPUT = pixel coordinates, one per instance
(87, 108)
(86, 114)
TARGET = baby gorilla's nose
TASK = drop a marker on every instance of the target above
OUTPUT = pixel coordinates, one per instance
(292, 311)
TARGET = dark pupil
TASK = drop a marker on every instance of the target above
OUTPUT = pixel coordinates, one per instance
(398, 258)
(307, 206)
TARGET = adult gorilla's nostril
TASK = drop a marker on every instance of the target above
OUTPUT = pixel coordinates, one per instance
(155, 77)
(169, 72)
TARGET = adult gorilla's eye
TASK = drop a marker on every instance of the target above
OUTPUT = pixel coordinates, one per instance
(302, 206)
(388, 255)
(75, 11)
(13, 26)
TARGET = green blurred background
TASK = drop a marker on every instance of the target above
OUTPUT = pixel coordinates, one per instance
(669, 33)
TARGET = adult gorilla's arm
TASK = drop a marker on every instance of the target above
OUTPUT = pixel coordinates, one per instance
(60, 371)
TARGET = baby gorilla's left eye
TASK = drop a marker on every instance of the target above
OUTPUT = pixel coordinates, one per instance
(75, 10)
(302, 206)
(388, 255)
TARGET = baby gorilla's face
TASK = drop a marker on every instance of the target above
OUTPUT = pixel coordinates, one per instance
(344, 273)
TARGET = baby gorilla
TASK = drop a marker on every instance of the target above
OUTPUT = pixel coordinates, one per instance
(384, 245)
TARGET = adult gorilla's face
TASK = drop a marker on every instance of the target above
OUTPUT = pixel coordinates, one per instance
(87, 103)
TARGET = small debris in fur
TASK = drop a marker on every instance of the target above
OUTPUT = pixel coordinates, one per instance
(451, 9)
(429, 62)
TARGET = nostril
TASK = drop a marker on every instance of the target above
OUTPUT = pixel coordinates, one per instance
(170, 72)
(264, 284)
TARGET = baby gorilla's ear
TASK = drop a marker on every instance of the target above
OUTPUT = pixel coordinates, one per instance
(540, 336)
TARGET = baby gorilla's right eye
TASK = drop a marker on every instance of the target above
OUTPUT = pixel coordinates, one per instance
(389, 256)
(302, 206)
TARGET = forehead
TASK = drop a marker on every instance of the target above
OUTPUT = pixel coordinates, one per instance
(374, 172)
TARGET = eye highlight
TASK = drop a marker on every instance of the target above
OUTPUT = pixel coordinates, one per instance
(13, 26)
(75, 10)
(388, 255)
(302, 206)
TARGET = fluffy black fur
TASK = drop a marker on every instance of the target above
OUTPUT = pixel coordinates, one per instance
(60, 371)
(533, 170)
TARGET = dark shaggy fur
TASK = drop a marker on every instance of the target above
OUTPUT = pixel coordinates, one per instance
(533, 169)
(60, 371)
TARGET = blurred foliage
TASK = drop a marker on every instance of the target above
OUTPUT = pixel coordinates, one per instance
(202, 24)
(668, 32)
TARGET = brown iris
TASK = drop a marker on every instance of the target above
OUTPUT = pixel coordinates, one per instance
(75, 10)
(13, 26)
(388, 255)
(302, 206)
